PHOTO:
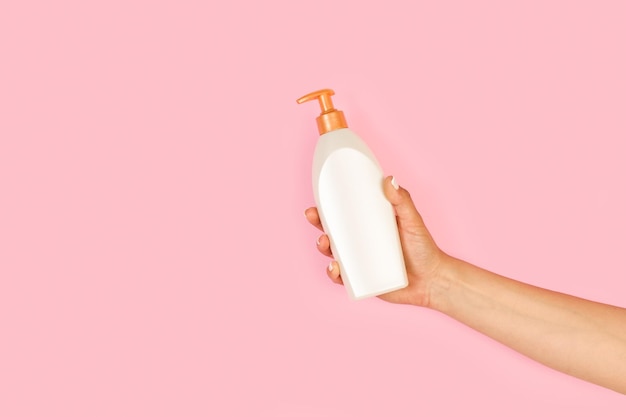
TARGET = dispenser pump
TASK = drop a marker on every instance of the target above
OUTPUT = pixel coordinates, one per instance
(330, 119)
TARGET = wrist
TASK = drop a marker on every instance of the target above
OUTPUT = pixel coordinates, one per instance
(442, 280)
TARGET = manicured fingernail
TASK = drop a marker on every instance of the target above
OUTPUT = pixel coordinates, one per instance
(330, 267)
(318, 241)
(394, 183)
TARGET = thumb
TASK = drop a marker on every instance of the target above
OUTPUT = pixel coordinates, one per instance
(400, 199)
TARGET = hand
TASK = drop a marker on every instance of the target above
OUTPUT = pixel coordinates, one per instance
(423, 259)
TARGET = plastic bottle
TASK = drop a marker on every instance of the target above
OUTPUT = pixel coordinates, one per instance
(356, 216)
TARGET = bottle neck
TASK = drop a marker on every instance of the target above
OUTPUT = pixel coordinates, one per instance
(333, 120)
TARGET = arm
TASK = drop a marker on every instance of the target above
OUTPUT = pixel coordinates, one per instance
(581, 338)
(572, 335)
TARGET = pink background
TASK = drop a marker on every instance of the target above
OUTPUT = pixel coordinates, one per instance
(154, 168)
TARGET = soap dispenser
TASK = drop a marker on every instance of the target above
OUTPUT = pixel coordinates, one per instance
(359, 221)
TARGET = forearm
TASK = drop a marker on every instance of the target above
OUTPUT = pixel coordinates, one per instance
(576, 336)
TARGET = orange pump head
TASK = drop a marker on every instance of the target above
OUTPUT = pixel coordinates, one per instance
(330, 119)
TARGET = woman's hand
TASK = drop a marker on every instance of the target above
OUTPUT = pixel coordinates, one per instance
(580, 337)
(423, 259)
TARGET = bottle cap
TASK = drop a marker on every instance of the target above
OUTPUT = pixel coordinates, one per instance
(330, 119)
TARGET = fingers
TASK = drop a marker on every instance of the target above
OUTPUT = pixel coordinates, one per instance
(323, 245)
(313, 217)
(334, 273)
(401, 201)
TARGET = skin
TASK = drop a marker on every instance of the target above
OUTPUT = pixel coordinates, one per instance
(579, 337)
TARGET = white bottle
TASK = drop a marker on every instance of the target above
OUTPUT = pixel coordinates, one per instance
(356, 216)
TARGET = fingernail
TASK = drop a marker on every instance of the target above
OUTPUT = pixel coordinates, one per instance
(318, 241)
(394, 183)
(330, 267)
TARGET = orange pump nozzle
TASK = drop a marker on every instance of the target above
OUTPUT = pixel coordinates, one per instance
(330, 119)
